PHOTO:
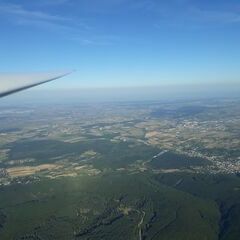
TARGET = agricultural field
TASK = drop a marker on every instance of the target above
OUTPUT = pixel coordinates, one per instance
(121, 171)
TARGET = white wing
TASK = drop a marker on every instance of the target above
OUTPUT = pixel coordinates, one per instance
(11, 83)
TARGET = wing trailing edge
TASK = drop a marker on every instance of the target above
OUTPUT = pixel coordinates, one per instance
(12, 83)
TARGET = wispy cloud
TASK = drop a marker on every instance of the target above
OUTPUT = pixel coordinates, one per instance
(19, 15)
(177, 12)
(97, 40)
(69, 27)
(52, 2)
(215, 16)
(17, 11)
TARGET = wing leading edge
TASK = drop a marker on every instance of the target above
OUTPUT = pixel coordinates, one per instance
(10, 84)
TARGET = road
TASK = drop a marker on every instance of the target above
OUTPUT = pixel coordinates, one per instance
(140, 224)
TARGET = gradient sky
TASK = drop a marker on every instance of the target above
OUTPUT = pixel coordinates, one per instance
(123, 43)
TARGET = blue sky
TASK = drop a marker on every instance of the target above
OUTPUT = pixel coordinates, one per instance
(121, 43)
